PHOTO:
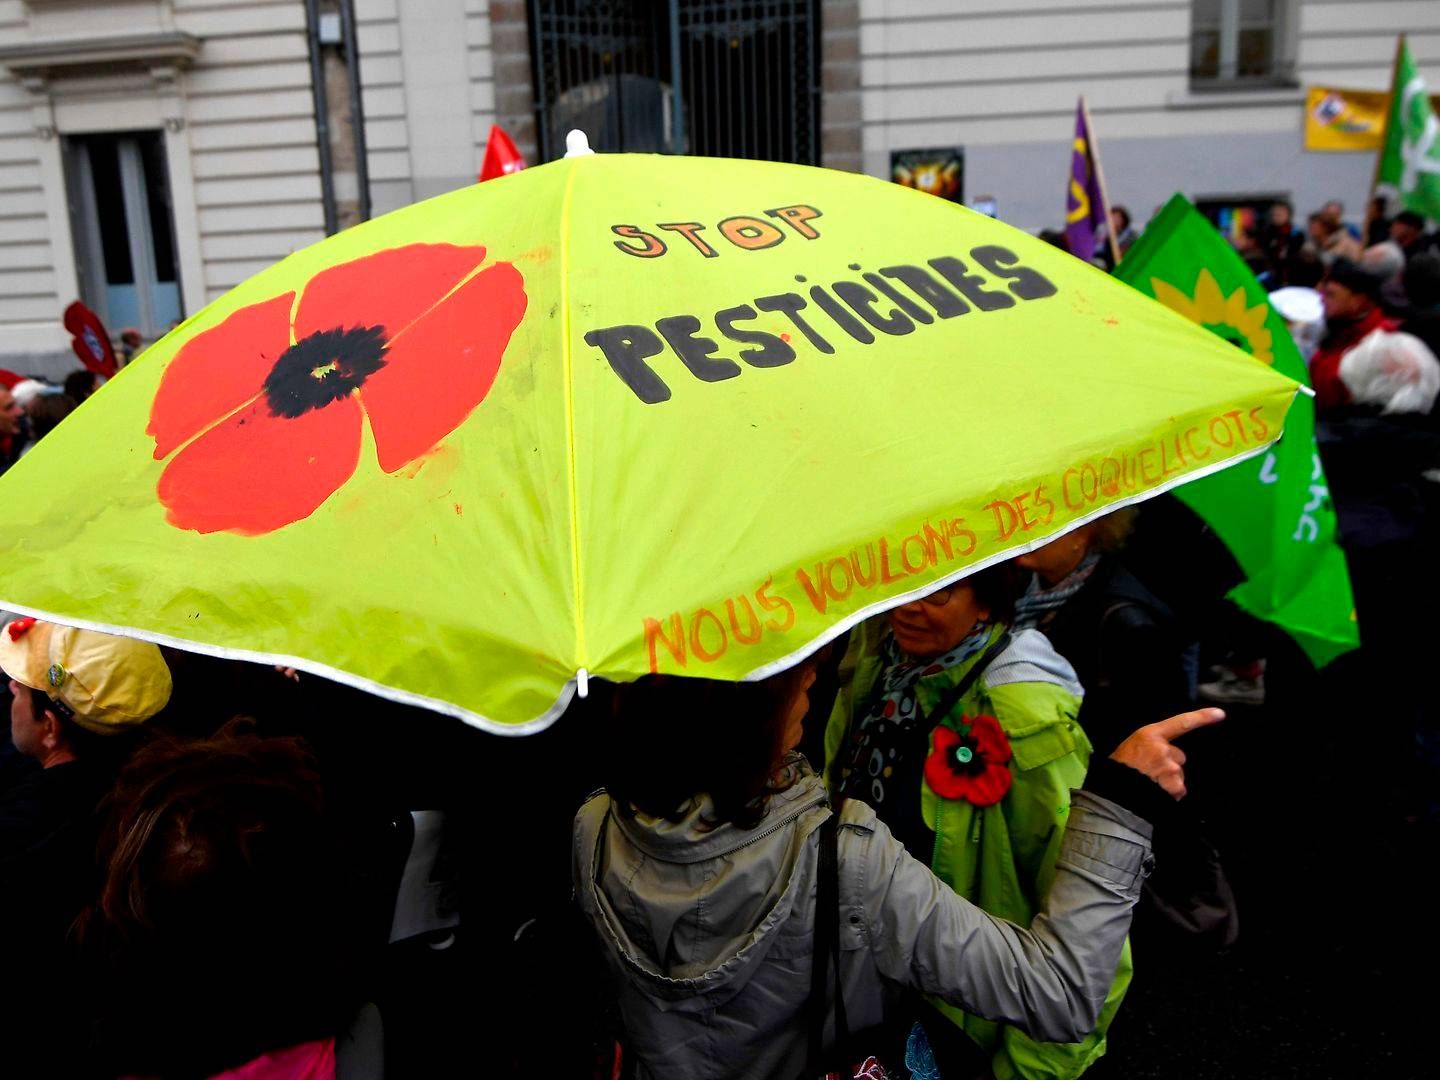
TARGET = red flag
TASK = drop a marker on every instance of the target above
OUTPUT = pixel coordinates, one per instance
(501, 157)
(90, 341)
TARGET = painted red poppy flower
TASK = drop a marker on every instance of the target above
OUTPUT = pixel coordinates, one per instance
(971, 764)
(267, 409)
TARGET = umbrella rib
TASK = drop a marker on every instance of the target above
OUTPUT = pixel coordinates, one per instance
(569, 394)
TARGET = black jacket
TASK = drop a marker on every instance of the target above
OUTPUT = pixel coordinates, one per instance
(1129, 651)
(1134, 661)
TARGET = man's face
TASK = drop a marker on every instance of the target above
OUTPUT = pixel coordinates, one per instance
(10, 413)
(1342, 302)
(25, 730)
(1280, 215)
(1334, 212)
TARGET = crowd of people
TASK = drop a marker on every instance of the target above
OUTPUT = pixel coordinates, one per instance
(227, 891)
(1362, 301)
(31, 406)
(944, 846)
(30, 409)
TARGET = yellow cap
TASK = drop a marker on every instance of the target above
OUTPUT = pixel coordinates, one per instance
(108, 682)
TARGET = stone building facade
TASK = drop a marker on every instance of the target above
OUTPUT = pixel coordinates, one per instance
(155, 153)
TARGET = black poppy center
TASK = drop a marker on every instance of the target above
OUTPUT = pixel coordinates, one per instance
(324, 367)
(965, 759)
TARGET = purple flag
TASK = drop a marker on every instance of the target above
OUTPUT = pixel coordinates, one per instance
(1084, 202)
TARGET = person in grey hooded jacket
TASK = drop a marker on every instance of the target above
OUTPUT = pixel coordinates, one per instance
(698, 874)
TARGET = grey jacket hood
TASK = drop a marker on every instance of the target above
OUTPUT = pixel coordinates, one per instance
(708, 935)
(693, 912)
(1031, 658)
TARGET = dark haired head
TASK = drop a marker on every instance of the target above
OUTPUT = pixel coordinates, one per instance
(675, 739)
(47, 412)
(997, 588)
(1355, 277)
(1422, 281)
(1055, 238)
(79, 385)
(1124, 216)
(1412, 219)
(214, 818)
(219, 912)
(1306, 268)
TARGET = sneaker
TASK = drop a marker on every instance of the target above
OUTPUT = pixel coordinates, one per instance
(1233, 688)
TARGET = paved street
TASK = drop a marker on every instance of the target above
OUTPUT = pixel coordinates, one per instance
(1334, 931)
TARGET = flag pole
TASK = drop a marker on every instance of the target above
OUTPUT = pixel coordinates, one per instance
(1100, 181)
(1384, 133)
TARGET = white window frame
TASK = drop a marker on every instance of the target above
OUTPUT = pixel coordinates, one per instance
(119, 102)
(1227, 77)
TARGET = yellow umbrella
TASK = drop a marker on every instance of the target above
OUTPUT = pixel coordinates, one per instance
(613, 415)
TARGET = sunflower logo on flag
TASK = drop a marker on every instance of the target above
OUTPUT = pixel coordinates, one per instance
(1227, 316)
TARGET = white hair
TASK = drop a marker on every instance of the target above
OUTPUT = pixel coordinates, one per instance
(1384, 260)
(1398, 372)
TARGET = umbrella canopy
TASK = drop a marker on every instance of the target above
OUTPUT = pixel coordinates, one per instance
(613, 415)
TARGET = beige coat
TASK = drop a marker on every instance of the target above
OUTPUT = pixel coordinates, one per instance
(708, 934)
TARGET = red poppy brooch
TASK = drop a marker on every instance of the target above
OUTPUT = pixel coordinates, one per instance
(972, 763)
(265, 413)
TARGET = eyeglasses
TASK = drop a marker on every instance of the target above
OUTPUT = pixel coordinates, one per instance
(938, 598)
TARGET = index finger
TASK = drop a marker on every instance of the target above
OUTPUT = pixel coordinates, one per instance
(1172, 727)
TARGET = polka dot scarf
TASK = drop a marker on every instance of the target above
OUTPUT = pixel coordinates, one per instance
(884, 749)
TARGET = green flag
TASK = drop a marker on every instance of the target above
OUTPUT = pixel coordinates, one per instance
(1409, 171)
(1274, 512)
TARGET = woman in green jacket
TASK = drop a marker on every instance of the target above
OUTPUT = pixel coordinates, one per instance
(962, 735)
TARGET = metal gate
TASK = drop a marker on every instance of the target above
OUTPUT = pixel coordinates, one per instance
(747, 75)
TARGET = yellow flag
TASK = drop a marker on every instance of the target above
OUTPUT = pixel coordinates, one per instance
(1339, 120)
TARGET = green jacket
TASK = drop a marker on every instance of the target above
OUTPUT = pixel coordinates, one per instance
(1000, 857)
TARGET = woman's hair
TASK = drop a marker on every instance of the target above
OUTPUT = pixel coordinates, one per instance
(195, 825)
(997, 588)
(674, 739)
(219, 912)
